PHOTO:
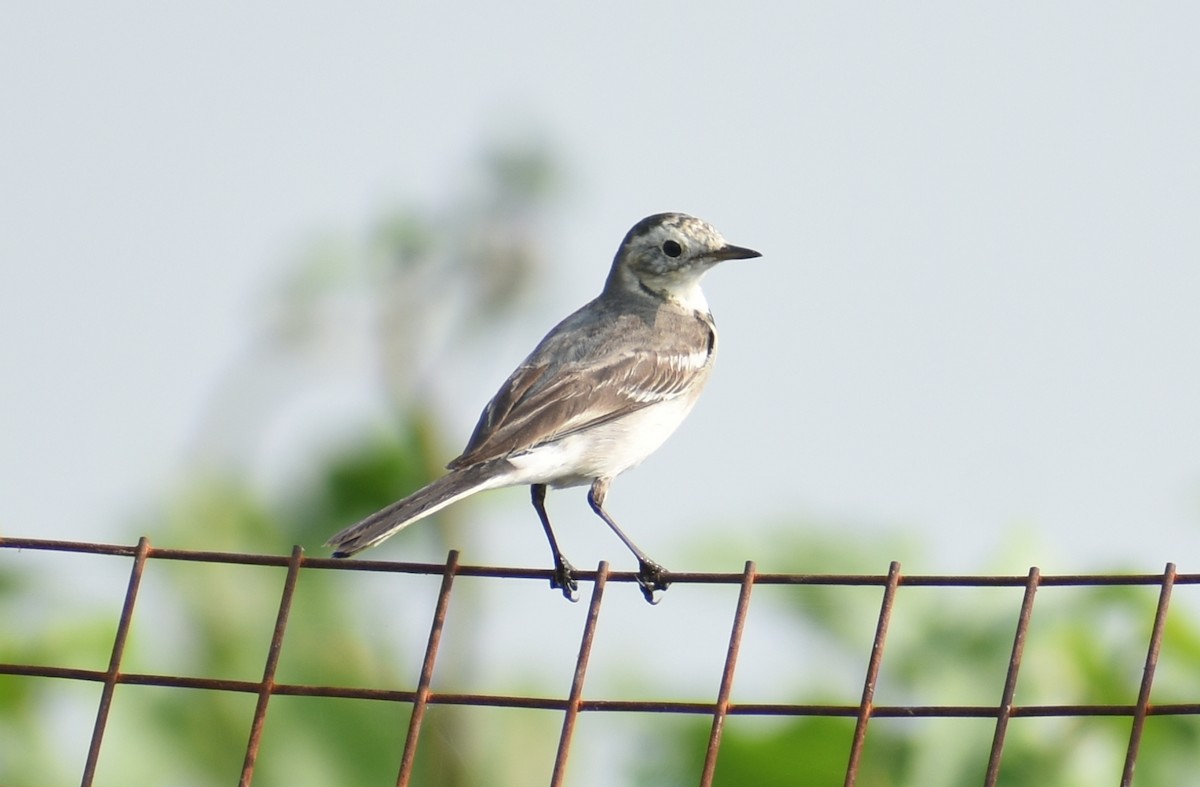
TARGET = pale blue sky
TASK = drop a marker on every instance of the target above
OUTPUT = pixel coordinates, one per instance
(976, 310)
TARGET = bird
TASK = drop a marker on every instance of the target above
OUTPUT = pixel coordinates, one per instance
(600, 393)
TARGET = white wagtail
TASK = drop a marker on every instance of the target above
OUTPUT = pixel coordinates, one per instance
(598, 394)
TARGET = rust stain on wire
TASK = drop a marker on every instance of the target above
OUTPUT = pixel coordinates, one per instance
(268, 681)
(602, 706)
(581, 662)
(865, 707)
(112, 676)
(721, 710)
(422, 696)
(421, 699)
(1143, 700)
(695, 577)
(1010, 680)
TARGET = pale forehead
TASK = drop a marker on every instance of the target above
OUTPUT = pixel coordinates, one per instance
(665, 226)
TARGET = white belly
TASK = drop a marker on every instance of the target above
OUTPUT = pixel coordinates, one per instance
(604, 451)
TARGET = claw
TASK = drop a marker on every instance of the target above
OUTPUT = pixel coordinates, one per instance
(564, 579)
(651, 577)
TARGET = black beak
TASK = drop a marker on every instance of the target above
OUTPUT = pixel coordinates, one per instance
(731, 252)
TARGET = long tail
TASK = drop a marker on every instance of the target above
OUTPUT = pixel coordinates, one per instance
(425, 501)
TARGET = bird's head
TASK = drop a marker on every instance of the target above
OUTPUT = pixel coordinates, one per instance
(667, 253)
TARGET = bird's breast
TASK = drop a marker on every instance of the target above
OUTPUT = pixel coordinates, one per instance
(605, 450)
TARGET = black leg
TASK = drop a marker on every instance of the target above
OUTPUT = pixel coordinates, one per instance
(651, 576)
(564, 572)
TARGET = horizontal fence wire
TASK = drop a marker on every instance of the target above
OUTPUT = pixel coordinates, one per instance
(421, 696)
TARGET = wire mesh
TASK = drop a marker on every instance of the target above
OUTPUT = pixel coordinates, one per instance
(422, 696)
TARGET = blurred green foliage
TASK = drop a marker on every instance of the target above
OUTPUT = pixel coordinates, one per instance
(429, 281)
(437, 281)
(951, 646)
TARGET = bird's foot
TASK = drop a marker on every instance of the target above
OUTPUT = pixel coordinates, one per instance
(651, 577)
(563, 578)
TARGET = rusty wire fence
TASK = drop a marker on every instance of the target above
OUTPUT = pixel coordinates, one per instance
(420, 697)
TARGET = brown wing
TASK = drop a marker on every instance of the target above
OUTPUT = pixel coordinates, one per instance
(602, 380)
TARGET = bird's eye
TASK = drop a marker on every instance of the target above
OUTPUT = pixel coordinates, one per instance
(671, 248)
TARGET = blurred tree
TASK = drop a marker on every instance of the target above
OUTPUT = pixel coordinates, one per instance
(951, 646)
(382, 311)
(426, 282)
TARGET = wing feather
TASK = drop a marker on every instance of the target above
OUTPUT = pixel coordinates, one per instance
(575, 381)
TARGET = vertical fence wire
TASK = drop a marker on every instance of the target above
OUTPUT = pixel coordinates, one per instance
(581, 663)
(114, 662)
(1010, 680)
(268, 681)
(721, 710)
(1143, 700)
(868, 694)
(421, 698)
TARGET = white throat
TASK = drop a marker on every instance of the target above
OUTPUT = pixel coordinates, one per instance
(689, 295)
(682, 288)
